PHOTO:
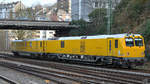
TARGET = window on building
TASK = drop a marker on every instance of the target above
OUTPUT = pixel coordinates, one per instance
(62, 6)
(62, 44)
(96, 4)
(44, 36)
(116, 43)
(44, 32)
(104, 5)
(50, 32)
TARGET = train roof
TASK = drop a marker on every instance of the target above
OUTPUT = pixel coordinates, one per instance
(39, 39)
(98, 36)
(17, 40)
(82, 37)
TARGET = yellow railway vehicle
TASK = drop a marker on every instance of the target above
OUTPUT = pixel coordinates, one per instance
(118, 49)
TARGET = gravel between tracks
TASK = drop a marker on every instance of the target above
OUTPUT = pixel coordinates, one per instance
(3, 82)
(21, 78)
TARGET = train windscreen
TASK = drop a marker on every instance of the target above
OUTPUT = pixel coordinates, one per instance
(138, 42)
(129, 42)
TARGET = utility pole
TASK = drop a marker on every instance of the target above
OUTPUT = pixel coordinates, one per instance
(20, 13)
(109, 13)
(79, 9)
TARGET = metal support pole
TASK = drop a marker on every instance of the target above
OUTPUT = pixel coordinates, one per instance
(79, 9)
(6, 40)
(20, 14)
(109, 16)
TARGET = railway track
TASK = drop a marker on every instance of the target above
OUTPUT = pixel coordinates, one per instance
(58, 77)
(78, 74)
(10, 55)
(9, 81)
(115, 75)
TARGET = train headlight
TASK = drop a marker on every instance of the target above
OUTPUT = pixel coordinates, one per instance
(120, 54)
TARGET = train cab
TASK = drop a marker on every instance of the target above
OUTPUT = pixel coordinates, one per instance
(134, 49)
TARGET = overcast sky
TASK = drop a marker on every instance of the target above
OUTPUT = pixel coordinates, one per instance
(32, 2)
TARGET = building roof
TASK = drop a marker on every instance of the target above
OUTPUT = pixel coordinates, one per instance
(7, 5)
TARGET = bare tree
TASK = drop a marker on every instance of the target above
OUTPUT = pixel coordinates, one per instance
(19, 34)
(23, 34)
(31, 13)
(20, 13)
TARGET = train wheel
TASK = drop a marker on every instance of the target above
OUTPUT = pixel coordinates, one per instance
(16, 54)
(131, 66)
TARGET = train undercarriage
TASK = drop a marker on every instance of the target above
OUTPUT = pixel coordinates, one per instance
(100, 60)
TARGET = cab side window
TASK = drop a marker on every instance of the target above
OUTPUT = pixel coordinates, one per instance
(25, 44)
(30, 44)
(116, 43)
(62, 44)
(109, 45)
(40, 44)
(36, 44)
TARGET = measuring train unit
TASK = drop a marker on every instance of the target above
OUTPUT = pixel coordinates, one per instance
(117, 50)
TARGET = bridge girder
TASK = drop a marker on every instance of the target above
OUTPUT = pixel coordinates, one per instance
(62, 28)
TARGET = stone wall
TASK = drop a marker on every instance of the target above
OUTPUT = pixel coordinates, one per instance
(4, 41)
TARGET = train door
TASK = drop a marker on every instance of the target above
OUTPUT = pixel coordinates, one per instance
(82, 46)
(41, 46)
(110, 47)
(44, 46)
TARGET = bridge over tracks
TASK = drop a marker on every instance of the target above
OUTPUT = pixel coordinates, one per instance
(61, 28)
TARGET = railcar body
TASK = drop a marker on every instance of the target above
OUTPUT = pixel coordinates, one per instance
(118, 49)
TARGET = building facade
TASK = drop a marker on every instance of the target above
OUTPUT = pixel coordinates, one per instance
(64, 10)
(8, 10)
(63, 5)
(80, 9)
(47, 34)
